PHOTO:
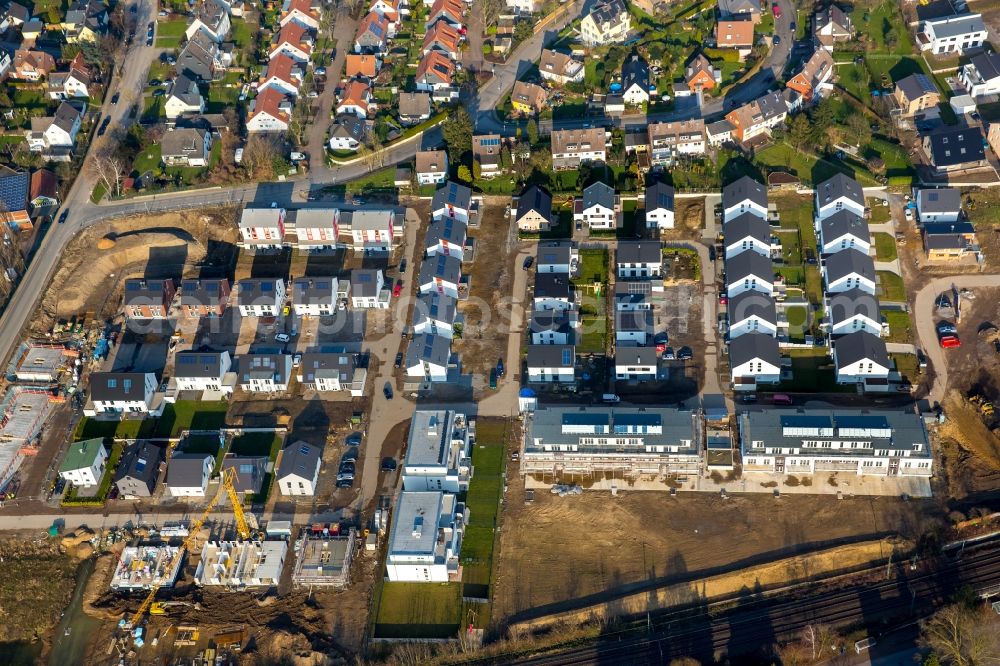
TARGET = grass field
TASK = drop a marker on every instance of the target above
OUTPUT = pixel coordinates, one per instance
(808, 167)
(257, 444)
(170, 33)
(419, 610)
(890, 286)
(179, 416)
(885, 246)
(483, 502)
(593, 267)
(812, 372)
(907, 365)
(900, 326)
(147, 160)
(797, 222)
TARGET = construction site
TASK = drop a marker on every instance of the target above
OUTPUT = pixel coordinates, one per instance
(23, 411)
(145, 567)
(324, 559)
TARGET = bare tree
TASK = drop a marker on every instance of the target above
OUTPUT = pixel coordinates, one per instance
(110, 170)
(962, 636)
(490, 11)
(299, 122)
(259, 155)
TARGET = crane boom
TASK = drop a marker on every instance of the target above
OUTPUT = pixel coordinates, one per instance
(228, 488)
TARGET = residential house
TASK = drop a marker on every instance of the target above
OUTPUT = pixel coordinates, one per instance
(939, 205)
(719, 132)
(533, 212)
(852, 311)
(264, 373)
(85, 21)
(944, 241)
(552, 292)
(428, 357)
(832, 25)
(633, 328)
(570, 148)
(293, 41)
(843, 230)
(754, 359)
(630, 295)
(14, 15)
(700, 75)
(551, 364)
(372, 35)
(559, 67)
(260, 297)
(248, 472)
(752, 312)
(758, 117)
(269, 112)
(188, 474)
(668, 141)
(304, 12)
(813, 79)
(372, 230)
(123, 392)
(608, 22)
(368, 290)
(201, 59)
(138, 470)
(659, 206)
(452, 200)
(860, 357)
(838, 193)
(915, 93)
(362, 66)
(635, 80)
(262, 227)
(43, 196)
(414, 108)
(204, 297)
(737, 35)
(31, 65)
(441, 274)
(73, 83)
(356, 100)
(552, 327)
(347, 132)
(332, 371)
(486, 150)
(556, 257)
(849, 269)
(449, 11)
(444, 38)
(186, 147)
(314, 296)
(426, 538)
(283, 74)
(183, 97)
(148, 299)
(14, 193)
(749, 271)
(316, 228)
(431, 167)
(744, 195)
(639, 260)
(435, 73)
(599, 207)
(434, 314)
(957, 33)
(981, 75)
(203, 371)
(391, 10)
(438, 452)
(298, 470)
(210, 18)
(84, 463)
(955, 148)
(447, 236)
(739, 10)
(528, 98)
(636, 363)
(747, 233)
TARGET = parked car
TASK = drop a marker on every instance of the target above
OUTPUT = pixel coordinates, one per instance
(402, 266)
(397, 289)
(668, 353)
(781, 399)
(354, 439)
(62, 218)
(950, 341)
(500, 369)
(345, 483)
(685, 354)
(946, 328)
(528, 261)
(104, 126)
(387, 391)
(399, 360)
(296, 360)
(777, 39)
(908, 214)
(115, 98)
(389, 464)
(282, 337)
(723, 299)
(493, 379)
(320, 71)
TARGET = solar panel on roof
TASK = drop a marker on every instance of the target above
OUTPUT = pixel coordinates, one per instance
(266, 286)
(489, 142)
(304, 450)
(133, 286)
(567, 356)
(212, 286)
(933, 196)
(805, 421)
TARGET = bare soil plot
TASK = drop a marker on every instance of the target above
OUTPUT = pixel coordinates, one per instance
(689, 220)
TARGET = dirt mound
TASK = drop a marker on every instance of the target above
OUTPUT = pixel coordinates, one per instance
(966, 427)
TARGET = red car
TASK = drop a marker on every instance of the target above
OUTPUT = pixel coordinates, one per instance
(723, 299)
(398, 289)
(776, 10)
(950, 341)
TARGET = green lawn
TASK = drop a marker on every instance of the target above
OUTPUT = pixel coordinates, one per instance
(593, 338)
(221, 95)
(241, 34)
(154, 109)
(900, 326)
(105, 486)
(483, 501)
(257, 444)
(907, 365)
(797, 227)
(27, 98)
(812, 372)
(170, 33)
(148, 160)
(885, 246)
(881, 22)
(880, 213)
(808, 167)
(890, 286)
(593, 267)
(419, 610)
(178, 416)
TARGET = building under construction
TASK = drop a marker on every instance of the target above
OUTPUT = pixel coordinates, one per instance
(22, 413)
(141, 567)
(324, 559)
(239, 564)
(42, 363)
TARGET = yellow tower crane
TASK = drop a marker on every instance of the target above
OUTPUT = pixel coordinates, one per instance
(228, 487)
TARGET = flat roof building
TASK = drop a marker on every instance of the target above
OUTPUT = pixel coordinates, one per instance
(438, 452)
(426, 538)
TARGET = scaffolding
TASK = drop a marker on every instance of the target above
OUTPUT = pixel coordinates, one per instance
(22, 414)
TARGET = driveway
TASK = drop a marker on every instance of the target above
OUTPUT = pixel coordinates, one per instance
(343, 34)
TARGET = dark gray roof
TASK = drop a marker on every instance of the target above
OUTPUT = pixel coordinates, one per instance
(639, 252)
(250, 471)
(556, 321)
(632, 291)
(186, 90)
(659, 195)
(254, 290)
(448, 229)
(608, 12)
(860, 346)
(852, 303)
(634, 320)
(848, 262)
(364, 282)
(987, 64)
(112, 386)
(747, 225)
(537, 199)
(348, 125)
(599, 193)
(552, 285)
(945, 228)
(745, 264)
(635, 71)
(300, 459)
(452, 194)
(65, 116)
(751, 304)
(443, 266)
(719, 127)
(139, 291)
(555, 252)
(198, 364)
(945, 241)
(314, 290)
(434, 349)
(202, 292)
(843, 223)
(551, 356)
(186, 470)
(199, 57)
(956, 145)
(942, 200)
(754, 346)
(839, 186)
(264, 366)
(743, 189)
(915, 86)
(324, 365)
(439, 307)
(141, 462)
(414, 104)
(14, 190)
(636, 356)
